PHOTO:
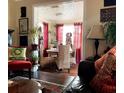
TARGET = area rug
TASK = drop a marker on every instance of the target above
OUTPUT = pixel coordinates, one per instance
(48, 86)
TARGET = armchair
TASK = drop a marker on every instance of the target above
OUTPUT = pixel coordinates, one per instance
(45, 60)
(17, 60)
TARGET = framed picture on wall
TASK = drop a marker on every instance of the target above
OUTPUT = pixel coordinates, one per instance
(108, 14)
(23, 26)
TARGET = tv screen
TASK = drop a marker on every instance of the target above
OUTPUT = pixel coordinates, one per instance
(109, 2)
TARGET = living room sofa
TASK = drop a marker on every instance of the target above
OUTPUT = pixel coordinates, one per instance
(96, 77)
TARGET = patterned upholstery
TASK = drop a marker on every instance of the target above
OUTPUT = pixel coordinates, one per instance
(17, 53)
(100, 61)
(105, 79)
(63, 61)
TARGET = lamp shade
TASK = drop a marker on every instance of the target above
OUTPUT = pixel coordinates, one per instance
(96, 32)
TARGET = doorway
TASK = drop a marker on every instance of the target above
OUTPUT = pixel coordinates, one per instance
(65, 13)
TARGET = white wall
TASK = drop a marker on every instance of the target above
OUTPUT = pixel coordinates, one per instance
(12, 19)
(91, 17)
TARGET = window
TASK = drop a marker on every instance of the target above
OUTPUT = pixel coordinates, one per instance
(68, 29)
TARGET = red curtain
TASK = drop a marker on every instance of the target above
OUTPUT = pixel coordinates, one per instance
(78, 40)
(45, 38)
(59, 33)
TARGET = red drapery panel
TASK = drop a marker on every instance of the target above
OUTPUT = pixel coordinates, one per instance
(45, 35)
(59, 33)
(78, 40)
(45, 38)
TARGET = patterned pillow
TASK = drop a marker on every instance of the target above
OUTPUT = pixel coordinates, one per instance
(17, 53)
(99, 62)
(104, 82)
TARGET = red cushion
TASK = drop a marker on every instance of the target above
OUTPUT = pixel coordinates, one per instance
(19, 64)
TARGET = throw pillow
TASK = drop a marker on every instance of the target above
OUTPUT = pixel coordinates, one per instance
(99, 62)
(103, 81)
(17, 54)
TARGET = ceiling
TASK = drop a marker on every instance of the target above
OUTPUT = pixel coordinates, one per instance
(61, 12)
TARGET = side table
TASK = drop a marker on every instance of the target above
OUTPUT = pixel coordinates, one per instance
(24, 86)
(12, 87)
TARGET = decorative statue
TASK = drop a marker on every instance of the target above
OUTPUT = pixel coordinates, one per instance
(68, 38)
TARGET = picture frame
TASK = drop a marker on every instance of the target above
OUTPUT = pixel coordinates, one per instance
(23, 26)
(108, 14)
(109, 3)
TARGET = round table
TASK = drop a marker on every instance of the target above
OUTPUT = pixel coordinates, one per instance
(24, 86)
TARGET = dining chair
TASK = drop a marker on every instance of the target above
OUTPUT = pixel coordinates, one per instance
(46, 61)
(63, 61)
(73, 57)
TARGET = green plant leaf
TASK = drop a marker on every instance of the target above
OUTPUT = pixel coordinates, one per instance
(110, 33)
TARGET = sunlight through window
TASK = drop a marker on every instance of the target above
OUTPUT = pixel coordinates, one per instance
(68, 29)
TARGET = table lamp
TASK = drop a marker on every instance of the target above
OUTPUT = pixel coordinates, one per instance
(96, 33)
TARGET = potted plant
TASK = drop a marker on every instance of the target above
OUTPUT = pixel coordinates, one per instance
(34, 59)
(110, 33)
(34, 35)
(34, 45)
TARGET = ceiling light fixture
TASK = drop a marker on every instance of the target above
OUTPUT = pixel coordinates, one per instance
(55, 6)
(58, 14)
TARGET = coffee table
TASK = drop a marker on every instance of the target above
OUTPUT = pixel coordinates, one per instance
(24, 86)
